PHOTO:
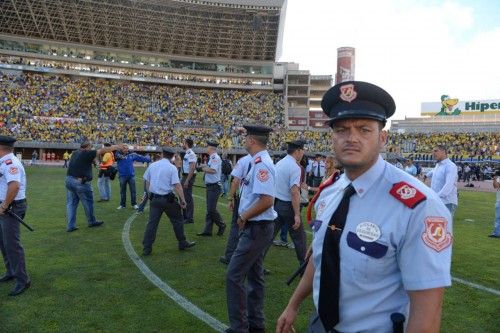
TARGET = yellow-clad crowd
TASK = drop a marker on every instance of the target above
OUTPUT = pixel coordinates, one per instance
(71, 109)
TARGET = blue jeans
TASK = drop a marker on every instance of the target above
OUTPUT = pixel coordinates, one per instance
(104, 186)
(225, 183)
(496, 231)
(75, 192)
(130, 180)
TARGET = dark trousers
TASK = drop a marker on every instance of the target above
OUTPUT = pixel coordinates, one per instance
(188, 213)
(232, 240)
(157, 207)
(285, 217)
(10, 244)
(245, 304)
(130, 180)
(213, 216)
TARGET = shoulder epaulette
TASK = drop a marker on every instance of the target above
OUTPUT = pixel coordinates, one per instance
(330, 181)
(407, 194)
(258, 160)
(9, 161)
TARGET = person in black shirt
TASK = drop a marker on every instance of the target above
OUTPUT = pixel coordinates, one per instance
(78, 186)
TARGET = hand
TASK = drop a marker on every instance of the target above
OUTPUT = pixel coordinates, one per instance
(285, 321)
(304, 186)
(241, 223)
(296, 220)
(230, 205)
(2, 209)
(183, 204)
(185, 185)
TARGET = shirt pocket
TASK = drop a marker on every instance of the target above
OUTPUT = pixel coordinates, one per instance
(366, 260)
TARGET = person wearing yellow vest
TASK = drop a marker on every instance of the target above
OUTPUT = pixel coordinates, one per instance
(103, 180)
(66, 159)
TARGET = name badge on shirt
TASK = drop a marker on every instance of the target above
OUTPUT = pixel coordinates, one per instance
(368, 232)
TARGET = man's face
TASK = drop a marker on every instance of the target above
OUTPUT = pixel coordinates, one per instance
(125, 149)
(357, 142)
(438, 154)
(210, 150)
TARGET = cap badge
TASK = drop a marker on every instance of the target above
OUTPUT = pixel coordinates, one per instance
(347, 93)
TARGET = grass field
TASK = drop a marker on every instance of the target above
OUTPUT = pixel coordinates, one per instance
(85, 282)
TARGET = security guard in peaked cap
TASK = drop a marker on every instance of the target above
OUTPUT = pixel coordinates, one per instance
(7, 141)
(357, 99)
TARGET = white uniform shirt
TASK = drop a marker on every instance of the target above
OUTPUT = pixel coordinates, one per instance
(259, 180)
(189, 157)
(386, 248)
(162, 177)
(321, 169)
(309, 165)
(214, 162)
(241, 169)
(287, 175)
(444, 178)
(12, 170)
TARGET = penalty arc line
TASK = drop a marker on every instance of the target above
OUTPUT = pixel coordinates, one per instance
(459, 280)
(164, 287)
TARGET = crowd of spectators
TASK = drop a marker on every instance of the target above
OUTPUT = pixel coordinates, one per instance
(70, 109)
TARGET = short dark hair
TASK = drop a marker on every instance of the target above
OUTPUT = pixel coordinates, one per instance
(85, 144)
(189, 142)
(168, 154)
(442, 147)
(107, 144)
(262, 139)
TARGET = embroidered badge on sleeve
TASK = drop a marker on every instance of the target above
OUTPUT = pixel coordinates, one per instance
(436, 236)
(263, 175)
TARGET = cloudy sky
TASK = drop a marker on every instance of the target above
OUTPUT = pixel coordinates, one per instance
(416, 50)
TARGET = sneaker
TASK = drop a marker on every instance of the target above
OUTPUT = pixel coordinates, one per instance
(135, 207)
(120, 207)
(279, 242)
(95, 224)
(290, 246)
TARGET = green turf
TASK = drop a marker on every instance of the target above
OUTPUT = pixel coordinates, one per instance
(85, 282)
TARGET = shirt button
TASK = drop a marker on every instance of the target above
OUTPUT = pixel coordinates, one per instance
(361, 191)
(363, 248)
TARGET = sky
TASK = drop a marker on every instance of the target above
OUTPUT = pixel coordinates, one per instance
(416, 50)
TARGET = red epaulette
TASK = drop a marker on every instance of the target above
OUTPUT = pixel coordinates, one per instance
(407, 194)
(8, 162)
(258, 160)
(322, 186)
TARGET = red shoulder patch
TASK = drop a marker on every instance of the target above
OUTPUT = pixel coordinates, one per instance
(407, 194)
(436, 235)
(8, 162)
(258, 160)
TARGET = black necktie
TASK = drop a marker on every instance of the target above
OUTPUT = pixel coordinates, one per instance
(328, 305)
(317, 171)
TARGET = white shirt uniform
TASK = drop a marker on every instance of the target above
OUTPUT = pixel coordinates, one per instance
(444, 178)
(259, 180)
(321, 171)
(214, 162)
(189, 157)
(162, 177)
(12, 170)
(241, 169)
(287, 175)
(386, 247)
(309, 165)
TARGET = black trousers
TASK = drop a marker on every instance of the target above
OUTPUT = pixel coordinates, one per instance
(188, 213)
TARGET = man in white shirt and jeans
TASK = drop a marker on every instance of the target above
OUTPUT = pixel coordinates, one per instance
(444, 178)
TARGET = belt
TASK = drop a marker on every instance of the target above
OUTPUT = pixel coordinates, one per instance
(276, 199)
(260, 222)
(154, 195)
(213, 184)
(16, 202)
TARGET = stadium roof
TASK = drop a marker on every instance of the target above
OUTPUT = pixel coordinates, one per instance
(242, 30)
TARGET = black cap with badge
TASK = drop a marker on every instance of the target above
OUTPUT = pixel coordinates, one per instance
(297, 144)
(357, 99)
(7, 141)
(257, 130)
(212, 144)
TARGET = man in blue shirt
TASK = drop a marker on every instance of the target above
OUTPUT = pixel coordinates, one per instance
(125, 163)
(382, 239)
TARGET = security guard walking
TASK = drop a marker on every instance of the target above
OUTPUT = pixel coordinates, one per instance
(287, 202)
(188, 178)
(13, 197)
(318, 170)
(256, 221)
(382, 239)
(162, 179)
(213, 171)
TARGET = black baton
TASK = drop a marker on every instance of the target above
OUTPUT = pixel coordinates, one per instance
(398, 322)
(20, 220)
(300, 271)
